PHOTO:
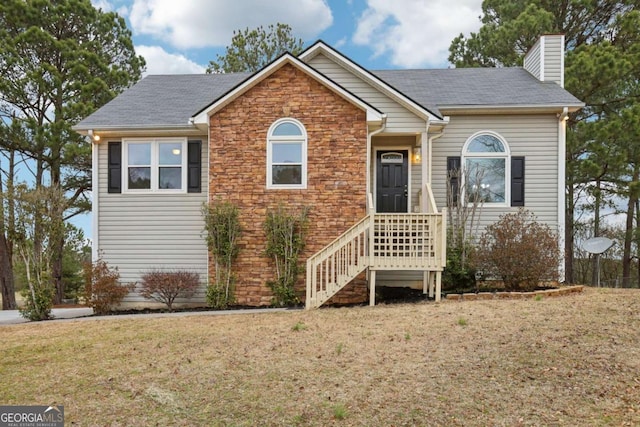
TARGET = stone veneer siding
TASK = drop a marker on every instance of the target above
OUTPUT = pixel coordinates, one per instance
(336, 170)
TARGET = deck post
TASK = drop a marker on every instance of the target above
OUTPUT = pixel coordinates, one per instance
(309, 283)
(372, 288)
(438, 285)
(425, 282)
(431, 284)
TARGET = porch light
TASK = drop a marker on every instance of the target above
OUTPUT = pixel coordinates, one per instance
(417, 154)
(94, 136)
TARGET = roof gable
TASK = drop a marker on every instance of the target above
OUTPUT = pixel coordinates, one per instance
(202, 117)
(387, 89)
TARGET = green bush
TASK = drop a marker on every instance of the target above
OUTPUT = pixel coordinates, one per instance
(286, 233)
(38, 301)
(520, 251)
(459, 274)
(102, 288)
(222, 227)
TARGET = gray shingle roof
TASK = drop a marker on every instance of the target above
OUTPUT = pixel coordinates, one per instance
(476, 87)
(162, 100)
(170, 100)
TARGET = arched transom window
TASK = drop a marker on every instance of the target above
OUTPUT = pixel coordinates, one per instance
(287, 154)
(486, 168)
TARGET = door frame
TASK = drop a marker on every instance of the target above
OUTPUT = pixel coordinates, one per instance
(375, 171)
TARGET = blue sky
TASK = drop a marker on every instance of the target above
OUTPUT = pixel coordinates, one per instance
(182, 36)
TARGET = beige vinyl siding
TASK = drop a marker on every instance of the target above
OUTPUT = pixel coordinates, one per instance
(399, 119)
(532, 136)
(138, 232)
(532, 61)
(416, 181)
(553, 54)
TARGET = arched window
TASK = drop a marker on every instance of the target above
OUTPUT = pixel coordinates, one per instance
(287, 154)
(486, 168)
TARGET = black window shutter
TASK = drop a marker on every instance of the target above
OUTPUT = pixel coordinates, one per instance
(517, 181)
(453, 175)
(194, 166)
(114, 163)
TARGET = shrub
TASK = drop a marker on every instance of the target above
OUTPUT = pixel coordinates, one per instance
(286, 234)
(102, 288)
(460, 273)
(166, 286)
(38, 300)
(222, 227)
(520, 251)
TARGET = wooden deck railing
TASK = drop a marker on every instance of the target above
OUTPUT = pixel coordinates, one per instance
(411, 241)
(338, 263)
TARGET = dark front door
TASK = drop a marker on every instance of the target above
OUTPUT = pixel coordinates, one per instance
(392, 181)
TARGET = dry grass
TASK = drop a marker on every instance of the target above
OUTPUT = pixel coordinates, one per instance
(571, 360)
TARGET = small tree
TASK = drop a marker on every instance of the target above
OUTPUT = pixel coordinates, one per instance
(222, 226)
(37, 210)
(102, 288)
(520, 251)
(464, 207)
(166, 286)
(252, 50)
(286, 234)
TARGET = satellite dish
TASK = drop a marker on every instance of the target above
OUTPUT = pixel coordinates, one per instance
(597, 245)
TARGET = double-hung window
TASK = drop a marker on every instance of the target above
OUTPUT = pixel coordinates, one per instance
(287, 155)
(155, 165)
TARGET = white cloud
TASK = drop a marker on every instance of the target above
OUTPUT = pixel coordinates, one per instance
(159, 61)
(207, 23)
(105, 5)
(416, 33)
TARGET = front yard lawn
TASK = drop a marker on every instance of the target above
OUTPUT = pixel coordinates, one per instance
(572, 360)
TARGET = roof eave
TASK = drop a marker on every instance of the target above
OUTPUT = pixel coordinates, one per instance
(149, 130)
(509, 108)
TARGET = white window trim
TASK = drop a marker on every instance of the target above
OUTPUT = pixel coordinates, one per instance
(271, 140)
(507, 167)
(155, 165)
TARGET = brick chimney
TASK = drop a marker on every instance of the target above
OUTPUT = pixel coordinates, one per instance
(545, 60)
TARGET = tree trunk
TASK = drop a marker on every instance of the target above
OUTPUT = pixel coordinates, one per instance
(636, 236)
(596, 233)
(57, 233)
(7, 287)
(6, 276)
(628, 233)
(568, 236)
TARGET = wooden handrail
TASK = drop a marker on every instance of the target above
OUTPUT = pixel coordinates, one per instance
(431, 200)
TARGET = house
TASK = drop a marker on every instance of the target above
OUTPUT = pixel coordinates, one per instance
(366, 151)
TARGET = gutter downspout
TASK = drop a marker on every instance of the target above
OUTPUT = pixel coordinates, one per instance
(95, 204)
(424, 167)
(370, 135)
(429, 172)
(562, 154)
